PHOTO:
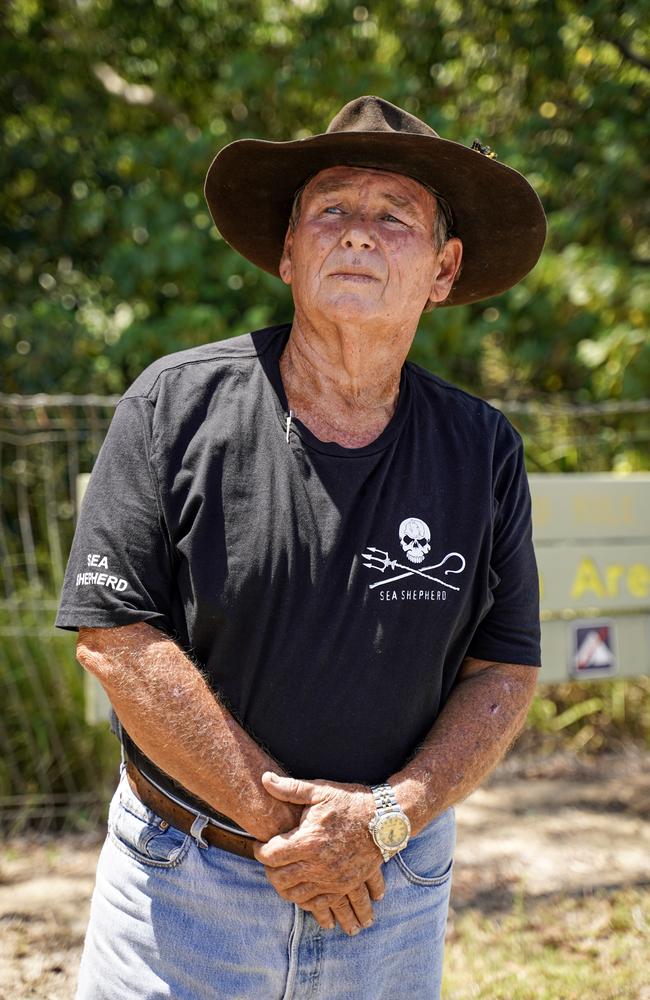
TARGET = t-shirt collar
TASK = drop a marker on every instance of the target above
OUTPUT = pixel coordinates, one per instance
(270, 361)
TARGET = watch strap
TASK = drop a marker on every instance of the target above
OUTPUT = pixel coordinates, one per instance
(385, 802)
(385, 799)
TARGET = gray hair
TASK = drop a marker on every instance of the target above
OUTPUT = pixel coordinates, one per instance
(443, 224)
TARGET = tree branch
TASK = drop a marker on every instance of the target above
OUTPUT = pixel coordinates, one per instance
(626, 51)
(134, 93)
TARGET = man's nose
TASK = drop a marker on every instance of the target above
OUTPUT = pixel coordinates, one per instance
(357, 235)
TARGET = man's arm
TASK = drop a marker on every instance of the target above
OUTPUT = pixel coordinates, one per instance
(483, 715)
(167, 707)
(333, 848)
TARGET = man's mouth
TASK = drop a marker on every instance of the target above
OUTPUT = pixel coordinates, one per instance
(353, 276)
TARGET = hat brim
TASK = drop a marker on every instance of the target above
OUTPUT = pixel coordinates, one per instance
(251, 183)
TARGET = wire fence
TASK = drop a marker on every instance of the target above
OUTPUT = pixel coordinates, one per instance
(56, 767)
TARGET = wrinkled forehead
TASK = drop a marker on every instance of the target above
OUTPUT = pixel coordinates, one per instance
(332, 179)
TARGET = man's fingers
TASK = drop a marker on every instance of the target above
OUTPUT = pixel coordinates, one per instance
(281, 850)
(322, 915)
(345, 916)
(353, 912)
(291, 789)
(285, 877)
(360, 903)
(376, 885)
(301, 894)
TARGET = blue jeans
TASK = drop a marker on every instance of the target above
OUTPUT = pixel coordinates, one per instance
(171, 918)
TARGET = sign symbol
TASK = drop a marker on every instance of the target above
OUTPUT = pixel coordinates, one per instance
(593, 648)
(378, 559)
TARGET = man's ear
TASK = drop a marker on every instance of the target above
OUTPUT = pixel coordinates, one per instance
(448, 267)
(285, 260)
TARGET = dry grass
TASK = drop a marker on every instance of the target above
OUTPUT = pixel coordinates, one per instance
(559, 948)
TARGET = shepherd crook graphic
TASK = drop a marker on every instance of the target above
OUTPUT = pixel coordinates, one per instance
(382, 562)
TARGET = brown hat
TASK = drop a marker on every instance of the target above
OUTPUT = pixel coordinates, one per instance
(251, 183)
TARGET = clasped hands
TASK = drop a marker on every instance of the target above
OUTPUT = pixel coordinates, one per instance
(328, 864)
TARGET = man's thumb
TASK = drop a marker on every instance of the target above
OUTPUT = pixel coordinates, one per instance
(289, 789)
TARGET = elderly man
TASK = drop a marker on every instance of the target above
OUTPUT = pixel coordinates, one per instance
(303, 573)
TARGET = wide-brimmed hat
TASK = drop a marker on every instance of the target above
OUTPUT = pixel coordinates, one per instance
(251, 183)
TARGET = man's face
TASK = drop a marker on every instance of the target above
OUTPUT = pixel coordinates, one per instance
(363, 248)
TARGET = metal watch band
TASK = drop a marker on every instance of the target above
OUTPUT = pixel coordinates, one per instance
(384, 798)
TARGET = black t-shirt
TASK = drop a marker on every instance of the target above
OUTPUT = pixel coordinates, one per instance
(329, 594)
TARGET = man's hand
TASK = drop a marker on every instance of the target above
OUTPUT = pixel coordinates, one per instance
(267, 821)
(352, 911)
(329, 864)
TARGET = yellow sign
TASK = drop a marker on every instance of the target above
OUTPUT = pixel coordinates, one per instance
(617, 578)
(592, 542)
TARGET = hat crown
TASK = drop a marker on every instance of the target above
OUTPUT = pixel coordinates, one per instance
(373, 114)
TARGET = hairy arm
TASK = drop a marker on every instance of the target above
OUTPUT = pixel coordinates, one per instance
(167, 707)
(483, 715)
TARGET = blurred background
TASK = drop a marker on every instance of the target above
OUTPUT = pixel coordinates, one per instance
(111, 113)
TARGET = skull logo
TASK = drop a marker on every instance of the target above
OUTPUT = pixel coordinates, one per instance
(414, 536)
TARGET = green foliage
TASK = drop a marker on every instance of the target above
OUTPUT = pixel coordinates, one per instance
(602, 715)
(54, 769)
(113, 109)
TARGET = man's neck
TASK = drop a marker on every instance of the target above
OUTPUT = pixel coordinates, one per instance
(341, 384)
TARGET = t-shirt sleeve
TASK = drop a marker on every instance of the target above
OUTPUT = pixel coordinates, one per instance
(510, 631)
(120, 565)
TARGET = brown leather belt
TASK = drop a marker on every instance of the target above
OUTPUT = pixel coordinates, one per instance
(182, 819)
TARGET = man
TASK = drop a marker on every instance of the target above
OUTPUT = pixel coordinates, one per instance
(303, 574)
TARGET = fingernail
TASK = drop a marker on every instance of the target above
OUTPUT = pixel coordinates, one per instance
(354, 930)
(381, 897)
(272, 777)
(368, 923)
(329, 927)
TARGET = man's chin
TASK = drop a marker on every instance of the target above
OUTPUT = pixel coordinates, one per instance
(352, 307)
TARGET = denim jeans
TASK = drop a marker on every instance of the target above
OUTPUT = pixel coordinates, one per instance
(172, 918)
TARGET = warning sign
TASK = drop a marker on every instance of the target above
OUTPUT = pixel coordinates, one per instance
(593, 653)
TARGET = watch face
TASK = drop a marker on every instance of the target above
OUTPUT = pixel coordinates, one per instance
(391, 831)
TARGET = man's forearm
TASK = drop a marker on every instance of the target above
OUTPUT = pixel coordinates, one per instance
(481, 718)
(167, 707)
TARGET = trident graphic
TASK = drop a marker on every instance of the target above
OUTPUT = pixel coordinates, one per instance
(378, 559)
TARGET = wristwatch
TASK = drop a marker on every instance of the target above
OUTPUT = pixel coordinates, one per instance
(390, 826)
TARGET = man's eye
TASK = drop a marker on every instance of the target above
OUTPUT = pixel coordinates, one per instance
(392, 218)
(333, 208)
